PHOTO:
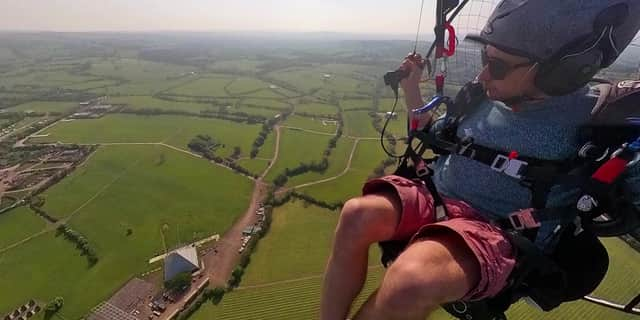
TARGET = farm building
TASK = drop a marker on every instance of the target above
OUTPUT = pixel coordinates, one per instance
(180, 260)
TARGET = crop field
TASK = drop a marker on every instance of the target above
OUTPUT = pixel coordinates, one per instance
(313, 124)
(121, 188)
(308, 79)
(359, 124)
(246, 85)
(46, 79)
(240, 65)
(317, 109)
(337, 163)
(367, 157)
(267, 113)
(255, 166)
(44, 106)
(143, 191)
(93, 84)
(265, 103)
(173, 130)
(205, 87)
(283, 280)
(297, 147)
(137, 70)
(350, 104)
(268, 148)
(147, 102)
(18, 224)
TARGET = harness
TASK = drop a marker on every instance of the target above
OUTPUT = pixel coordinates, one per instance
(578, 262)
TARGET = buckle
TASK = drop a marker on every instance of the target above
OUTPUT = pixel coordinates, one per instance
(510, 167)
(523, 219)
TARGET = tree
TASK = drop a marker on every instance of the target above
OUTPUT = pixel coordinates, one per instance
(179, 281)
(53, 307)
(216, 294)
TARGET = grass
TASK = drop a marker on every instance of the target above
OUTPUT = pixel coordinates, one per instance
(350, 104)
(308, 79)
(296, 147)
(246, 85)
(142, 188)
(337, 163)
(299, 299)
(265, 102)
(314, 124)
(283, 280)
(296, 231)
(317, 109)
(234, 66)
(256, 166)
(359, 124)
(45, 106)
(268, 149)
(18, 224)
(368, 155)
(140, 77)
(206, 87)
(147, 102)
(173, 130)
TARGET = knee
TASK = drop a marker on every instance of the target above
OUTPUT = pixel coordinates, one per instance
(367, 219)
(404, 290)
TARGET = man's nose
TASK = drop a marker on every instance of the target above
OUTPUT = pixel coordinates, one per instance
(484, 74)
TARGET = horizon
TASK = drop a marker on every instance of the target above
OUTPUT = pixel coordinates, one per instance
(198, 16)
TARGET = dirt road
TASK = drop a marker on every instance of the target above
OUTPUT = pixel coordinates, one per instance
(219, 263)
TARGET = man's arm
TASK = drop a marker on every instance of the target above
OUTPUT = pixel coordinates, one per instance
(411, 88)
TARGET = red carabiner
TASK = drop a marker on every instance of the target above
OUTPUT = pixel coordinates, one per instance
(452, 40)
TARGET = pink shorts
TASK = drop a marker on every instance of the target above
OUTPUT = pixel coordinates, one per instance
(488, 243)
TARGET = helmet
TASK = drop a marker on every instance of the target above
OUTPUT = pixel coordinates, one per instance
(571, 40)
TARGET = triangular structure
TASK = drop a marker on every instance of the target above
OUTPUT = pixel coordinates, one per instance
(180, 260)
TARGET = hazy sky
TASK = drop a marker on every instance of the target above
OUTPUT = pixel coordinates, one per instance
(373, 16)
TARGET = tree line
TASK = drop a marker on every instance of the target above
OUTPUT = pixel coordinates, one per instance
(80, 241)
(312, 166)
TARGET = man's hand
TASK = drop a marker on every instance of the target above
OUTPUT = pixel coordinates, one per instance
(415, 65)
(411, 86)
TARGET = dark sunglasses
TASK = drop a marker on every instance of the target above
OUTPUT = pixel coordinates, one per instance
(498, 68)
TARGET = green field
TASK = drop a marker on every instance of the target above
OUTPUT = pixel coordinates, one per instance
(148, 189)
(265, 102)
(147, 102)
(18, 224)
(314, 124)
(44, 106)
(255, 166)
(284, 278)
(368, 155)
(205, 87)
(317, 109)
(173, 130)
(297, 147)
(350, 104)
(359, 124)
(337, 163)
(240, 65)
(246, 85)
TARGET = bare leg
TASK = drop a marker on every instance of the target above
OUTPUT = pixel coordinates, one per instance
(363, 221)
(430, 272)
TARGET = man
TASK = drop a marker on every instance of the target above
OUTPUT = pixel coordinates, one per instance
(466, 257)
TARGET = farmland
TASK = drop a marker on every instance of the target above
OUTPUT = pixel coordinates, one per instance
(121, 188)
(139, 102)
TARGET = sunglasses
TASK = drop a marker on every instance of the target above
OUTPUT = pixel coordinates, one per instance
(498, 68)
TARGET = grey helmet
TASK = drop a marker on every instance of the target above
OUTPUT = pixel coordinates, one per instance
(570, 39)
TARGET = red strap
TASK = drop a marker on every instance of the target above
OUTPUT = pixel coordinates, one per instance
(513, 155)
(452, 40)
(610, 170)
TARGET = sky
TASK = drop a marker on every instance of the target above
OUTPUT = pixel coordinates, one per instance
(352, 16)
